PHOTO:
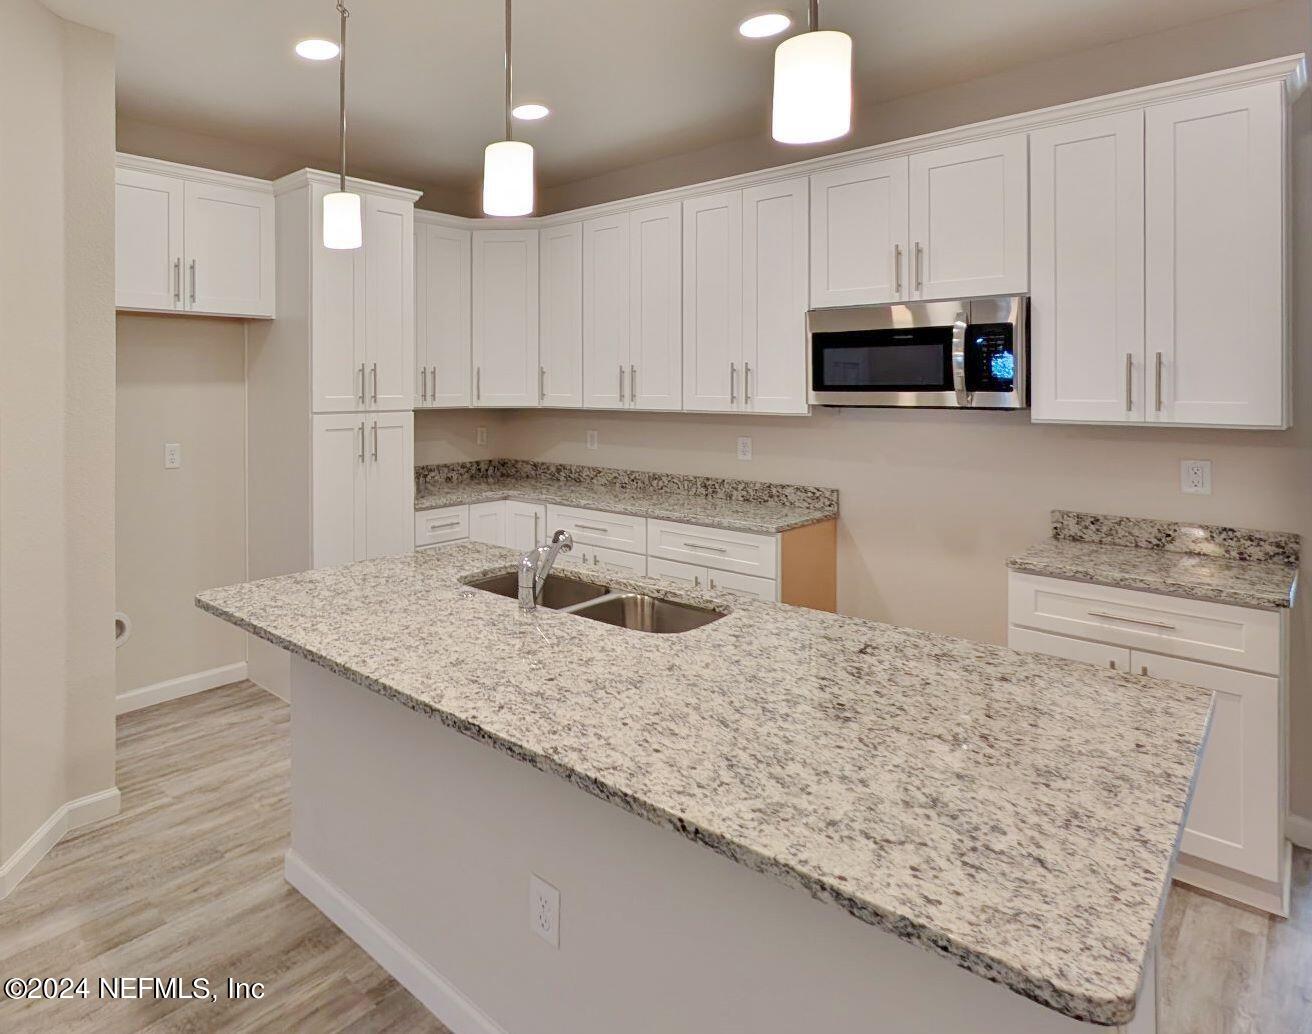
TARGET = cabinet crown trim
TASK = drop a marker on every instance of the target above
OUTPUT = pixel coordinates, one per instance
(195, 173)
(304, 177)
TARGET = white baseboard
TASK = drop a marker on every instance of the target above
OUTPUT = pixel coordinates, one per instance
(1299, 830)
(185, 685)
(70, 816)
(438, 994)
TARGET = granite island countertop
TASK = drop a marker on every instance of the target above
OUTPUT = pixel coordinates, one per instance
(1015, 814)
(1237, 566)
(727, 503)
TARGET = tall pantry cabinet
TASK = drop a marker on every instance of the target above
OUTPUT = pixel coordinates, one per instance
(330, 427)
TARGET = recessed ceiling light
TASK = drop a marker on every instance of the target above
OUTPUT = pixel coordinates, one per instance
(530, 112)
(317, 49)
(761, 25)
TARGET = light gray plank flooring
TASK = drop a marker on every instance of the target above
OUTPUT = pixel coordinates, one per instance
(187, 882)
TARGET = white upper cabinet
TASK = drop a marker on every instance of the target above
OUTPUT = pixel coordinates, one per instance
(1215, 259)
(201, 243)
(859, 234)
(338, 371)
(505, 317)
(969, 219)
(606, 312)
(774, 279)
(1087, 287)
(442, 265)
(655, 308)
(389, 263)
(560, 342)
(712, 301)
(148, 240)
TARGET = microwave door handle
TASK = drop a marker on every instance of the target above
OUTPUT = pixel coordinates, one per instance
(959, 361)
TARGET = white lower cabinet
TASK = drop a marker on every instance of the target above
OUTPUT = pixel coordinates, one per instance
(685, 574)
(619, 531)
(698, 577)
(1235, 827)
(600, 556)
(439, 527)
(487, 522)
(362, 486)
(524, 525)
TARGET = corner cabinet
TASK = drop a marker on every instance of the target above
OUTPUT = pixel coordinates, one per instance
(1159, 243)
(560, 336)
(192, 240)
(505, 317)
(443, 374)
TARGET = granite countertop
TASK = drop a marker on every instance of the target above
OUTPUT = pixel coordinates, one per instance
(1203, 562)
(729, 503)
(1013, 813)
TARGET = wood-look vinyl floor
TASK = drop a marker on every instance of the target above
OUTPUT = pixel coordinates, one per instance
(187, 882)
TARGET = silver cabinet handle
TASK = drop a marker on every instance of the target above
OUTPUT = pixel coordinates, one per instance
(1129, 392)
(1143, 670)
(478, 384)
(361, 441)
(542, 391)
(447, 524)
(621, 382)
(920, 267)
(1112, 665)
(423, 384)
(1158, 365)
(897, 269)
(1133, 621)
(536, 517)
(362, 384)
(193, 281)
(733, 383)
(747, 383)
(633, 384)
(432, 391)
(373, 394)
(177, 279)
(709, 549)
(696, 581)
(592, 527)
(375, 441)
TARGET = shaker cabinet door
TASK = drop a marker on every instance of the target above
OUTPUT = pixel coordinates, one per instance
(228, 268)
(505, 319)
(148, 241)
(390, 484)
(774, 297)
(338, 490)
(389, 263)
(442, 262)
(339, 373)
(606, 312)
(713, 302)
(859, 234)
(560, 347)
(655, 308)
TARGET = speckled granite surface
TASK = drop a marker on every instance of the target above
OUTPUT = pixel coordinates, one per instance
(1201, 562)
(758, 506)
(1016, 814)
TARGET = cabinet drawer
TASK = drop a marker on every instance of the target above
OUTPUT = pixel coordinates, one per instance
(434, 527)
(743, 585)
(688, 575)
(600, 556)
(595, 528)
(738, 551)
(1098, 654)
(1216, 633)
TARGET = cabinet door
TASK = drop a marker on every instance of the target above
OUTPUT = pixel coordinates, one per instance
(1098, 654)
(147, 241)
(969, 219)
(859, 234)
(339, 377)
(560, 380)
(442, 315)
(655, 308)
(229, 238)
(1235, 817)
(505, 325)
(389, 261)
(605, 312)
(742, 584)
(1086, 248)
(390, 484)
(713, 302)
(774, 297)
(525, 524)
(1215, 259)
(487, 523)
(688, 575)
(600, 556)
(338, 490)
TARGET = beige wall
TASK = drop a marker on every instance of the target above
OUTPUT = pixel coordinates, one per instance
(56, 417)
(180, 379)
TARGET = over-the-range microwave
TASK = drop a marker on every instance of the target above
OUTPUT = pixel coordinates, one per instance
(967, 354)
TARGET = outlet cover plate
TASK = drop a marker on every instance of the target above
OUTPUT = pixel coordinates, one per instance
(744, 448)
(544, 910)
(1196, 477)
(592, 439)
(480, 436)
(172, 456)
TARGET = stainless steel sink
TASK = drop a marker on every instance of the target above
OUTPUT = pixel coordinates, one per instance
(646, 613)
(557, 592)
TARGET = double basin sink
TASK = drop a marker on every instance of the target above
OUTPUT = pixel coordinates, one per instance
(632, 610)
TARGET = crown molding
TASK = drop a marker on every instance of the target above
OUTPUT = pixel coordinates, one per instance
(306, 177)
(159, 167)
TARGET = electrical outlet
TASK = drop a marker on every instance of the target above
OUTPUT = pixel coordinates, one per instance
(172, 456)
(1196, 477)
(592, 439)
(480, 436)
(744, 448)
(544, 910)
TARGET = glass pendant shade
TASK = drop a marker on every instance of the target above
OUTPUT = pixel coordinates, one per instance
(508, 178)
(813, 87)
(341, 221)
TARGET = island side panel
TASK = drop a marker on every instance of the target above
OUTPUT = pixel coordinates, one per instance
(419, 842)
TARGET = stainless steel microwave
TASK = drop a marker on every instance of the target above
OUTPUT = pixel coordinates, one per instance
(969, 354)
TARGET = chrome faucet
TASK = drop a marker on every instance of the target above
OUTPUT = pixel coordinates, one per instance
(536, 564)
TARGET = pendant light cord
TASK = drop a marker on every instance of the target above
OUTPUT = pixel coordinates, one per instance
(815, 15)
(341, 82)
(509, 72)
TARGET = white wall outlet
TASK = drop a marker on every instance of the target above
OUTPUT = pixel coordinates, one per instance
(172, 456)
(744, 448)
(544, 910)
(1196, 477)
(480, 436)
(592, 439)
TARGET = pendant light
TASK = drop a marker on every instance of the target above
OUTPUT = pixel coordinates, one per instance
(813, 85)
(508, 164)
(341, 209)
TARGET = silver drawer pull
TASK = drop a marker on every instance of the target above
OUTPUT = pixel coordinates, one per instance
(1133, 621)
(448, 524)
(710, 549)
(592, 527)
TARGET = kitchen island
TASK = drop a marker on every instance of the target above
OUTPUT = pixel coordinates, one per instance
(950, 810)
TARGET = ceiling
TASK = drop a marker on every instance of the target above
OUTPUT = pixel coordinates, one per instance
(628, 81)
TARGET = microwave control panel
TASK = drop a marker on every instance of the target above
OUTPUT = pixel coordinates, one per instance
(990, 357)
